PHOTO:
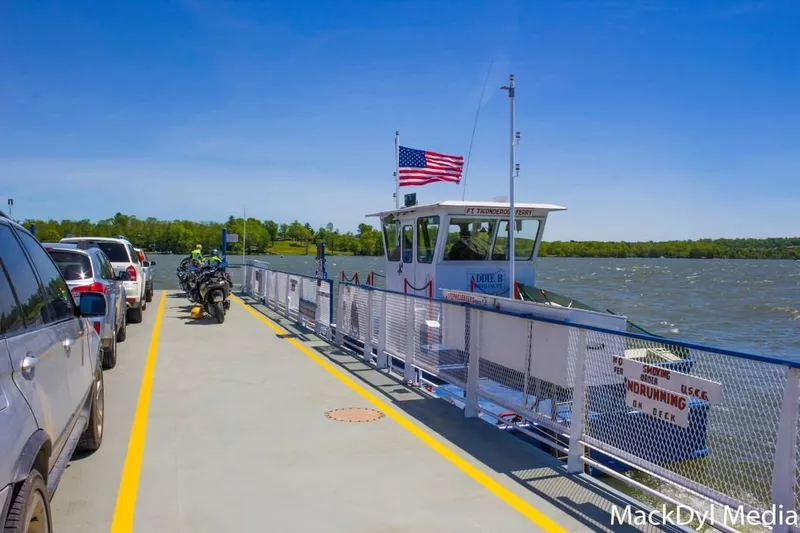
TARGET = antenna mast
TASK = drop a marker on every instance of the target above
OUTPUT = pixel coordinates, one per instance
(513, 172)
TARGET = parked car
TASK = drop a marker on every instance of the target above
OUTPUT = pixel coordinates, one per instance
(124, 259)
(51, 378)
(90, 270)
(147, 266)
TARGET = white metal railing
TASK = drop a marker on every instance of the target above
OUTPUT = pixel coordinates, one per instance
(305, 299)
(712, 428)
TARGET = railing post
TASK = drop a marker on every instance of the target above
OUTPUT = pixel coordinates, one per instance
(286, 296)
(300, 319)
(275, 295)
(382, 359)
(368, 334)
(339, 314)
(330, 310)
(784, 470)
(578, 416)
(252, 284)
(317, 310)
(265, 291)
(409, 375)
(472, 345)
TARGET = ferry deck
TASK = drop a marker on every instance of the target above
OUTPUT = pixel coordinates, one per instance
(258, 424)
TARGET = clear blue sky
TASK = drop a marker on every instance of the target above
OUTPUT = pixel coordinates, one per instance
(647, 119)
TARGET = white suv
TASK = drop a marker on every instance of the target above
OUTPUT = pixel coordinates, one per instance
(123, 259)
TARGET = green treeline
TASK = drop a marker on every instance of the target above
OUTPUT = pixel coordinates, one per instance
(180, 236)
(773, 248)
(267, 236)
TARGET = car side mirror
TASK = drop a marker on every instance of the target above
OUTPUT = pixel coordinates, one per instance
(145, 264)
(152, 263)
(93, 304)
(123, 276)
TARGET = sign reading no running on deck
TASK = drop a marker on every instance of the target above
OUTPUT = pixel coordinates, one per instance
(661, 392)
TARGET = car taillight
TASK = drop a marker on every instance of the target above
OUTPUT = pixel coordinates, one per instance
(94, 287)
(141, 256)
(132, 272)
(97, 327)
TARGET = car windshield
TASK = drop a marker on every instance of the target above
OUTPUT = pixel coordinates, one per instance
(115, 251)
(73, 266)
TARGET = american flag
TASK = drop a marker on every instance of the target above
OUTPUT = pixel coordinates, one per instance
(420, 167)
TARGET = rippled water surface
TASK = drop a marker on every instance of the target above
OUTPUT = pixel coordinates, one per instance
(749, 305)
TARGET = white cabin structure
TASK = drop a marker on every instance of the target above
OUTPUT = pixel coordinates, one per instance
(460, 246)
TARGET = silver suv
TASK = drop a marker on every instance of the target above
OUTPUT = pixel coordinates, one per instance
(51, 378)
(90, 270)
(124, 258)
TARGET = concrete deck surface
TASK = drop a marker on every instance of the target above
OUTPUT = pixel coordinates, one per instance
(237, 440)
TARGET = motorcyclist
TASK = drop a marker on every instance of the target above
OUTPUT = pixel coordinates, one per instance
(197, 254)
(214, 259)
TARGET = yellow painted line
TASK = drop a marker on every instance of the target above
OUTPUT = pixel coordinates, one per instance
(517, 503)
(129, 484)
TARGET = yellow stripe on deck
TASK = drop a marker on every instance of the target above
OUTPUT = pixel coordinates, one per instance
(517, 503)
(129, 484)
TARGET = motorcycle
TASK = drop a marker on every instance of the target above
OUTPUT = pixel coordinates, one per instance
(212, 288)
(206, 285)
(187, 272)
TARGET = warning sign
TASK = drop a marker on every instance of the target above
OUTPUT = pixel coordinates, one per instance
(657, 402)
(659, 376)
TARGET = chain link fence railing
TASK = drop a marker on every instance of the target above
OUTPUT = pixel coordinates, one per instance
(705, 424)
(305, 299)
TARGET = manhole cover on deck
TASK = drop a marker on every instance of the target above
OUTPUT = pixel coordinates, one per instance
(354, 414)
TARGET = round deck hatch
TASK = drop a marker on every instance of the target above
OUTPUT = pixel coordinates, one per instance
(354, 414)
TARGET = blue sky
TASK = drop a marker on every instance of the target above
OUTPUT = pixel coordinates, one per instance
(647, 119)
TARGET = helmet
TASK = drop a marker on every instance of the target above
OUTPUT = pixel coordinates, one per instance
(199, 246)
(214, 252)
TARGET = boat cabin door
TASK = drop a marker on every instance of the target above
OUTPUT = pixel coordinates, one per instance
(399, 254)
(407, 263)
(410, 252)
(403, 272)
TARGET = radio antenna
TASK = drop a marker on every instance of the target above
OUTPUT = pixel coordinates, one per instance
(475, 127)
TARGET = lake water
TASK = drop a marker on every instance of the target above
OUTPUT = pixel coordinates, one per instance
(748, 305)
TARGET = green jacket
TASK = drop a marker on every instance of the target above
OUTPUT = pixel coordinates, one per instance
(197, 254)
(213, 260)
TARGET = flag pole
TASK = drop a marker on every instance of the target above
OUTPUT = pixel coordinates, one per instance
(397, 169)
(511, 210)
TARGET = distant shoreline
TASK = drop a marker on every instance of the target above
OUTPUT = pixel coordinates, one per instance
(269, 237)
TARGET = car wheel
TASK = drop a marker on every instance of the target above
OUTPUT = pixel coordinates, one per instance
(29, 511)
(110, 355)
(149, 297)
(135, 314)
(122, 331)
(92, 436)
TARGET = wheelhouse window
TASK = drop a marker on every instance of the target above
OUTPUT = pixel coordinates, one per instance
(469, 239)
(525, 234)
(427, 231)
(391, 238)
(408, 244)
